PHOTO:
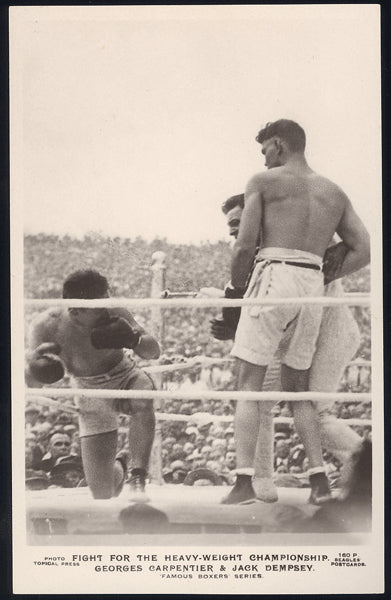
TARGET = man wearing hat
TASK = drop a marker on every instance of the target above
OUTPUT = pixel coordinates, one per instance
(68, 472)
(36, 480)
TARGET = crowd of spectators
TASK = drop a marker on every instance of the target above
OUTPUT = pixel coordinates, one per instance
(52, 450)
(203, 443)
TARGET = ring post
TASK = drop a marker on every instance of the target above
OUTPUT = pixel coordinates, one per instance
(158, 268)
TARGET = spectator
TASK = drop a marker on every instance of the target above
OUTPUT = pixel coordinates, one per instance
(36, 480)
(58, 447)
(33, 451)
(30, 417)
(68, 473)
(281, 458)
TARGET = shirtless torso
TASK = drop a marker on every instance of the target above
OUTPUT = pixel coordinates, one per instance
(291, 206)
(71, 329)
(300, 210)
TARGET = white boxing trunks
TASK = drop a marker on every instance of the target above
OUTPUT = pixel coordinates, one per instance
(337, 343)
(261, 328)
(99, 415)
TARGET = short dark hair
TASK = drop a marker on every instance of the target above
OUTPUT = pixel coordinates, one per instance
(85, 284)
(231, 202)
(288, 130)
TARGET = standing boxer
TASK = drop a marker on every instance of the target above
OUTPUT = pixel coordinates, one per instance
(292, 213)
(337, 343)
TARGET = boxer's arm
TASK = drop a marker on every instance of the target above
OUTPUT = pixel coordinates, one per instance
(248, 237)
(28, 376)
(210, 292)
(42, 364)
(42, 330)
(148, 346)
(355, 236)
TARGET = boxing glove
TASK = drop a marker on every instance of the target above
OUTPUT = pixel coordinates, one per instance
(114, 332)
(45, 365)
(231, 316)
(333, 260)
(220, 330)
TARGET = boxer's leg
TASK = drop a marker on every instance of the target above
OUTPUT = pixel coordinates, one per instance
(98, 441)
(103, 473)
(141, 433)
(307, 426)
(248, 427)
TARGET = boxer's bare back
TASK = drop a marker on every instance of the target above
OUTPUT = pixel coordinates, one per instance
(291, 206)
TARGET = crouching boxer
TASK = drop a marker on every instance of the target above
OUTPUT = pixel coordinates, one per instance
(90, 344)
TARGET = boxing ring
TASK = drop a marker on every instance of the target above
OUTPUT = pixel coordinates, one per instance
(184, 514)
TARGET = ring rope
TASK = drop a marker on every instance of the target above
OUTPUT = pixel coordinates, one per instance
(349, 299)
(195, 418)
(209, 361)
(201, 395)
(229, 419)
(55, 403)
(202, 361)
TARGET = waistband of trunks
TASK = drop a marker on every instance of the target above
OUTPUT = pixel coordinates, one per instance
(296, 264)
(288, 255)
(121, 368)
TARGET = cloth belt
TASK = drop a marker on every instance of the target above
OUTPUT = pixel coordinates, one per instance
(296, 264)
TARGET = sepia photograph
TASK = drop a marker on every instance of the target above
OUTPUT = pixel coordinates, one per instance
(196, 299)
